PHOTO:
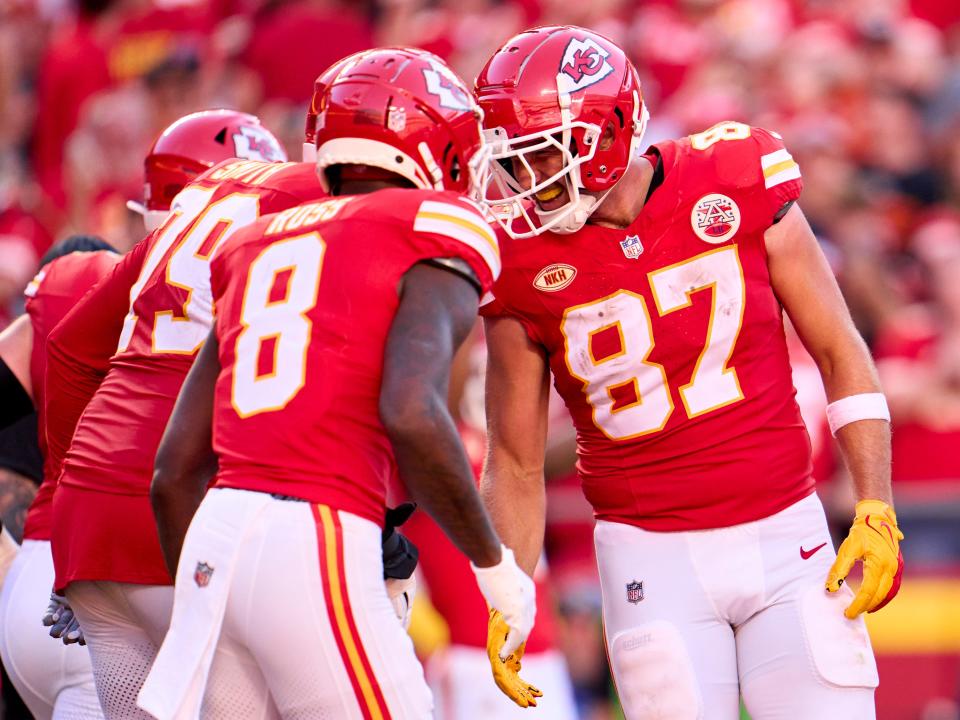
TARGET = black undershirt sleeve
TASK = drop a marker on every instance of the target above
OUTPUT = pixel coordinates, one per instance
(16, 402)
(783, 211)
(457, 266)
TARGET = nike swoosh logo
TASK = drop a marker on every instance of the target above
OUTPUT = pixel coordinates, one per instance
(807, 554)
(883, 525)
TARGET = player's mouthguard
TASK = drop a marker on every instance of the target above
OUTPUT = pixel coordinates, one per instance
(549, 193)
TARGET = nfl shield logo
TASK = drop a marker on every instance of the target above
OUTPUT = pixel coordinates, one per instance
(634, 592)
(631, 246)
(202, 574)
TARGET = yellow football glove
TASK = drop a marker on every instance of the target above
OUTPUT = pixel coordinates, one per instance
(506, 672)
(875, 539)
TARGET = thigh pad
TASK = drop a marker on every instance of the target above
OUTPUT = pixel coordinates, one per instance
(654, 673)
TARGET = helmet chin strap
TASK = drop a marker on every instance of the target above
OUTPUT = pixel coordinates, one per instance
(573, 215)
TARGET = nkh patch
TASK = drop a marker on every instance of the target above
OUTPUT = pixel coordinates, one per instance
(554, 277)
(201, 576)
(715, 218)
(634, 592)
(631, 246)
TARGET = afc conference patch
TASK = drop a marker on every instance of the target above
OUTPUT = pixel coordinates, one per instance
(634, 592)
(715, 218)
(201, 576)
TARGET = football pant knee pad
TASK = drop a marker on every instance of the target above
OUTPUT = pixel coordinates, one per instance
(654, 673)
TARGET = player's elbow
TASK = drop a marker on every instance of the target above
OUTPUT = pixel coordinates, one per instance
(408, 411)
(166, 476)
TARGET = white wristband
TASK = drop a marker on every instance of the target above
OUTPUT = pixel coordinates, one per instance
(864, 406)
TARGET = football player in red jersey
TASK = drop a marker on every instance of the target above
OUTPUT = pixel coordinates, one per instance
(324, 377)
(118, 359)
(652, 286)
(53, 682)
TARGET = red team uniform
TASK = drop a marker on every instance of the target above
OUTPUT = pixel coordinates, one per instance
(666, 341)
(52, 679)
(303, 317)
(50, 296)
(327, 445)
(119, 359)
(161, 291)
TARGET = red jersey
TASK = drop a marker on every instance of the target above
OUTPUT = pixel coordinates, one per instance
(143, 326)
(49, 296)
(305, 301)
(666, 340)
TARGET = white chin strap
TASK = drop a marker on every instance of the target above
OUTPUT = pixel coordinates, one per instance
(574, 215)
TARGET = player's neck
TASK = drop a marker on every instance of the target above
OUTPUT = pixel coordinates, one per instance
(624, 202)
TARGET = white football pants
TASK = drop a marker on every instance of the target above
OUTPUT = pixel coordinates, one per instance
(281, 610)
(123, 624)
(463, 686)
(54, 680)
(728, 611)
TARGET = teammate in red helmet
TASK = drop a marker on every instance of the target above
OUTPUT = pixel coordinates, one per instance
(325, 376)
(651, 284)
(118, 359)
(191, 146)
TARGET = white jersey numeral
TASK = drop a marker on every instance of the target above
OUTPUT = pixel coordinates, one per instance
(630, 395)
(271, 351)
(625, 371)
(201, 226)
(713, 384)
(721, 131)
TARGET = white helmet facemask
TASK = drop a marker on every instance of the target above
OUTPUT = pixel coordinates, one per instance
(152, 219)
(510, 201)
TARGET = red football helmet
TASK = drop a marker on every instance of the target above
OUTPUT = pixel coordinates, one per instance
(558, 88)
(192, 145)
(401, 110)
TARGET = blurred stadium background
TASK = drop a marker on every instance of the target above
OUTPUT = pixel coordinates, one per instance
(865, 92)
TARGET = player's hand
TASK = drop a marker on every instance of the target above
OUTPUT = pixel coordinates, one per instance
(506, 673)
(510, 590)
(875, 539)
(62, 622)
(402, 593)
(400, 555)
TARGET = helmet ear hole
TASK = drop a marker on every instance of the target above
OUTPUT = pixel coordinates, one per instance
(451, 161)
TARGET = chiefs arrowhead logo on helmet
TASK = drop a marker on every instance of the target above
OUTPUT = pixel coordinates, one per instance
(444, 85)
(584, 63)
(254, 143)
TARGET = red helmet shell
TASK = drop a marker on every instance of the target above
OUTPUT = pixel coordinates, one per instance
(402, 110)
(197, 142)
(522, 86)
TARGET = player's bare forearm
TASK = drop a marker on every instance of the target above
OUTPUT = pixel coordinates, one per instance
(437, 309)
(805, 285)
(516, 406)
(185, 461)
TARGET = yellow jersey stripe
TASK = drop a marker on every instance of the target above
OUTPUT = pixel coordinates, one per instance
(783, 165)
(486, 236)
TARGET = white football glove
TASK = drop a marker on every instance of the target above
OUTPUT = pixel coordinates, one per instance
(401, 592)
(62, 622)
(510, 590)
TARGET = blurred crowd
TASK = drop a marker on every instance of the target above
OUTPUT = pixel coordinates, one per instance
(865, 92)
